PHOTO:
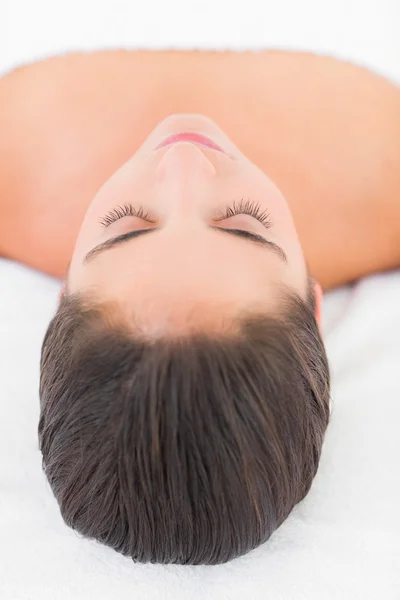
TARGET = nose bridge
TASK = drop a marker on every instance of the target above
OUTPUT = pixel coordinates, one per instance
(184, 175)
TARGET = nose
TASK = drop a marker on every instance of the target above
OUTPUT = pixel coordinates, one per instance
(183, 163)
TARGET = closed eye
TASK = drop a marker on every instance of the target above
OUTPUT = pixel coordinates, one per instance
(247, 207)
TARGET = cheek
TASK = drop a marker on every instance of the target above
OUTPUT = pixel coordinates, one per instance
(284, 230)
(89, 234)
(287, 224)
(91, 231)
(277, 205)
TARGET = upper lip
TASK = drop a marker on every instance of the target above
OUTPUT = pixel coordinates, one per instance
(190, 136)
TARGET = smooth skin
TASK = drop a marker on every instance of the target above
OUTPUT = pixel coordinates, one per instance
(312, 140)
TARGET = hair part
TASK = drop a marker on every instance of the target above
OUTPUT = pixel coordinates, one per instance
(191, 450)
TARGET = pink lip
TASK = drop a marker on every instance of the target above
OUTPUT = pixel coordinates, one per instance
(189, 136)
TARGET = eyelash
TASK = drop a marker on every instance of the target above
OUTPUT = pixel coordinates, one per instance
(247, 207)
(125, 210)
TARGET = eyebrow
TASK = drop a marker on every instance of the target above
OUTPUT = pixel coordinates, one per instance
(253, 238)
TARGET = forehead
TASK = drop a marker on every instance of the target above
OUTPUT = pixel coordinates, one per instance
(188, 293)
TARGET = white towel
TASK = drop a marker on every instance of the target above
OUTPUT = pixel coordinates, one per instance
(342, 542)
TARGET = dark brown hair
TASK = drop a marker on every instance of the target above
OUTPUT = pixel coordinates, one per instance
(190, 450)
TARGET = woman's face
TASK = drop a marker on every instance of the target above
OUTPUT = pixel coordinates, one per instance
(184, 256)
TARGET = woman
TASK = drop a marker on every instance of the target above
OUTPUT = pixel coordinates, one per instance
(196, 205)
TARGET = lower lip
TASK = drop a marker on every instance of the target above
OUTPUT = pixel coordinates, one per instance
(189, 136)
